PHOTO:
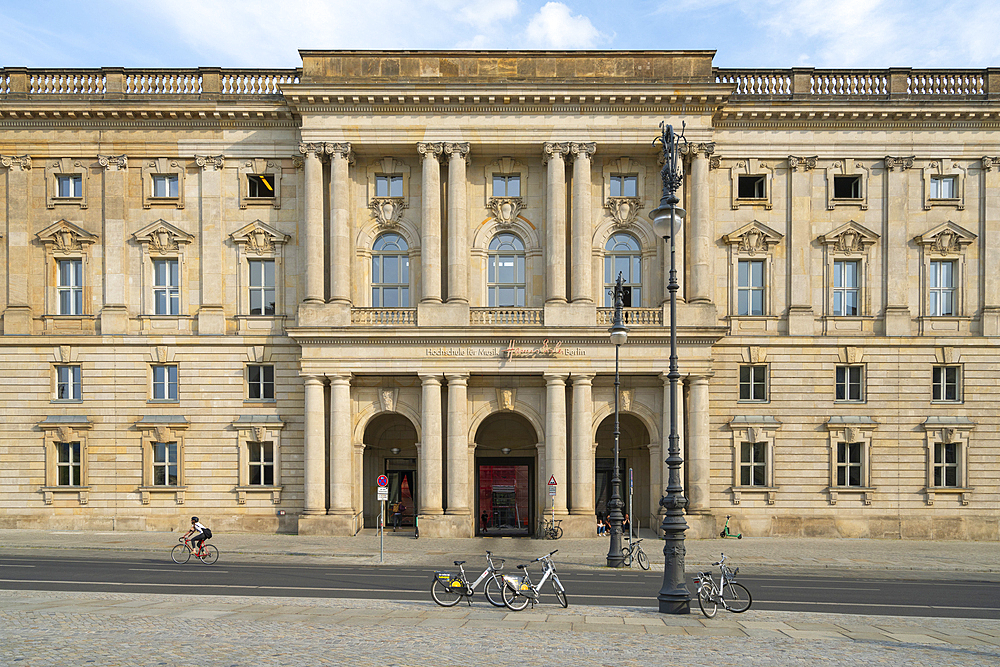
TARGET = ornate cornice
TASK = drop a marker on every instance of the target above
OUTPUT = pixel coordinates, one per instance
(214, 162)
(113, 162)
(551, 149)
(22, 162)
(901, 163)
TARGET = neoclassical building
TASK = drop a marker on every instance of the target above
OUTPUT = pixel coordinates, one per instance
(247, 294)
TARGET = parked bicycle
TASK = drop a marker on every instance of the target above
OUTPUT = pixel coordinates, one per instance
(633, 551)
(447, 588)
(181, 553)
(550, 529)
(519, 591)
(731, 595)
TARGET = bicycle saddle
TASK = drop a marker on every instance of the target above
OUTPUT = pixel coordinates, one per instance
(521, 567)
(459, 562)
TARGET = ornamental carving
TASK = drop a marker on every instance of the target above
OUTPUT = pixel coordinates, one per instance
(161, 237)
(505, 399)
(753, 241)
(753, 238)
(990, 162)
(551, 149)
(692, 150)
(946, 239)
(807, 163)
(259, 238)
(583, 150)
(117, 162)
(458, 149)
(214, 162)
(505, 210)
(65, 237)
(714, 162)
(852, 434)
(341, 150)
(430, 149)
(851, 238)
(315, 149)
(387, 396)
(387, 211)
(623, 210)
(901, 163)
(625, 399)
(947, 435)
(22, 162)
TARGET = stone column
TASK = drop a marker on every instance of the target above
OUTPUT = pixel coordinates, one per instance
(699, 289)
(17, 315)
(114, 312)
(458, 251)
(458, 444)
(312, 242)
(341, 246)
(314, 456)
(341, 448)
(582, 452)
(801, 319)
(429, 456)
(991, 247)
(555, 439)
(582, 227)
(430, 223)
(898, 321)
(211, 316)
(698, 454)
(553, 154)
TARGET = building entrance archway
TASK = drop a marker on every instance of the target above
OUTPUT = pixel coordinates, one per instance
(506, 465)
(390, 449)
(633, 452)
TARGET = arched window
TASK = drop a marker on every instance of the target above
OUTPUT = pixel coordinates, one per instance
(390, 272)
(505, 279)
(623, 254)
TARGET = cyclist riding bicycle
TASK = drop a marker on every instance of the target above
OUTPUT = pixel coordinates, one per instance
(200, 532)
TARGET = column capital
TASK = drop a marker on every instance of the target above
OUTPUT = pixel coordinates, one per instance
(22, 162)
(555, 378)
(429, 379)
(583, 150)
(581, 378)
(314, 379)
(704, 149)
(430, 149)
(901, 163)
(457, 150)
(807, 163)
(339, 378)
(554, 149)
(313, 149)
(456, 378)
(340, 150)
(214, 162)
(109, 162)
(990, 162)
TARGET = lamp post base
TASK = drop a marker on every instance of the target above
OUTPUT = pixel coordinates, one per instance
(672, 606)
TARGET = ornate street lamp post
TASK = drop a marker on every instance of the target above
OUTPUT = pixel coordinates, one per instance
(667, 218)
(619, 334)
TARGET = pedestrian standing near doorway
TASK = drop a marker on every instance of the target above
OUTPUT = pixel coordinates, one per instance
(484, 520)
(397, 515)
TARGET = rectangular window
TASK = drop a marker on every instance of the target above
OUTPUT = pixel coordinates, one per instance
(508, 185)
(753, 464)
(942, 288)
(753, 383)
(751, 187)
(260, 382)
(165, 464)
(261, 464)
(946, 464)
(165, 383)
(945, 385)
(70, 185)
(943, 187)
(166, 287)
(262, 287)
(846, 288)
(68, 383)
(70, 287)
(165, 185)
(847, 187)
(850, 383)
(68, 464)
(750, 288)
(624, 185)
(849, 464)
(260, 186)
(388, 185)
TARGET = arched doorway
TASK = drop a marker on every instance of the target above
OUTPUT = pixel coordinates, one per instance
(390, 449)
(506, 464)
(633, 452)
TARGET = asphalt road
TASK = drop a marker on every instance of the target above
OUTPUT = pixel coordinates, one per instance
(957, 595)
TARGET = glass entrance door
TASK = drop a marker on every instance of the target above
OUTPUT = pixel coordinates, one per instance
(505, 497)
(402, 476)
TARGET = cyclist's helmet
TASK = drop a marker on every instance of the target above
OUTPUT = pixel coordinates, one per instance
(194, 519)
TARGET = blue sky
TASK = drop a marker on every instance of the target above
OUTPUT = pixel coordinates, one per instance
(269, 33)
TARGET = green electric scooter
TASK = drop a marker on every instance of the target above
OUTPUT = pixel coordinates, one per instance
(725, 531)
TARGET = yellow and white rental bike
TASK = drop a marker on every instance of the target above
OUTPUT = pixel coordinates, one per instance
(519, 591)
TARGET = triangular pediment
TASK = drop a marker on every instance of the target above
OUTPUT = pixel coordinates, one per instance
(946, 237)
(754, 237)
(259, 237)
(65, 236)
(161, 236)
(850, 237)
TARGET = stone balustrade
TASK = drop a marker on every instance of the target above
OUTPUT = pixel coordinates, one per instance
(504, 316)
(632, 316)
(110, 80)
(894, 83)
(386, 317)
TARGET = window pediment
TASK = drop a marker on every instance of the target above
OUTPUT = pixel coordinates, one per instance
(259, 238)
(849, 238)
(753, 237)
(161, 237)
(65, 237)
(946, 238)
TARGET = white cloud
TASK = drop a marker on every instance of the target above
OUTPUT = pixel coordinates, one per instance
(484, 13)
(554, 27)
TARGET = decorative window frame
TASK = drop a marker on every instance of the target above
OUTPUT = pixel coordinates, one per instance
(851, 429)
(948, 430)
(65, 240)
(752, 241)
(505, 210)
(945, 242)
(388, 211)
(753, 428)
(263, 166)
(623, 211)
(258, 428)
(162, 240)
(850, 242)
(65, 167)
(847, 167)
(944, 168)
(752, 167)
(258, 240)
(65, 428)
(162, 167)
(161, 428)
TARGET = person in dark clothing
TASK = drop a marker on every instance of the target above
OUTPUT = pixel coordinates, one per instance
(484, 521)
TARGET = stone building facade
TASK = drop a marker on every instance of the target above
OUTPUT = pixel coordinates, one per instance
(246, 294)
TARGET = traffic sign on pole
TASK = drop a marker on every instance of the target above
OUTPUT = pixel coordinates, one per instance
(383, 481)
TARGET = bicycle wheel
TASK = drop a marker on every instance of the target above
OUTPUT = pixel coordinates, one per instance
(557, 532)
(180, 554)
(494, 591)
(736, 597)
(643, 559)
(512, 599)
(211, 554)
(445, 595)
(707, 602)
(626, 557)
